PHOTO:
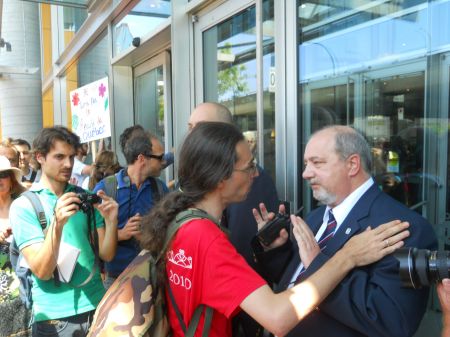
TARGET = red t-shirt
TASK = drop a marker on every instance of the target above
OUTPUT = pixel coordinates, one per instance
(204, 268)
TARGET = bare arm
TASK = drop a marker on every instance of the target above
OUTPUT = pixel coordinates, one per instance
(42, 257)
(279, 313)
(107, 236)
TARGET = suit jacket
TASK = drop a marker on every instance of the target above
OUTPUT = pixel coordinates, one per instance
(369, 301)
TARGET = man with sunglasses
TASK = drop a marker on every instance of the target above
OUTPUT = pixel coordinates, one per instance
(136, 190)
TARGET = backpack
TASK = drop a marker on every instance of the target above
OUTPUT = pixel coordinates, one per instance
(23, 273)
(135, 305)
(111, 187)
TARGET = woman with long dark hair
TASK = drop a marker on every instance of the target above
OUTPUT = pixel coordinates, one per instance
(216, 168)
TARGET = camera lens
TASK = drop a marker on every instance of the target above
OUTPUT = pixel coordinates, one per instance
(421, 267)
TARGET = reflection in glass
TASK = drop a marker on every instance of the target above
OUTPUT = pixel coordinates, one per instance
(331, 105)
(149, 103)
(336, 40)
(142, 19)
(269, 86)
(73, 19)
(393, 125)
(229, 61)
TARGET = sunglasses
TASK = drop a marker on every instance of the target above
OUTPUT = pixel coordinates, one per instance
(4, 174)
(154, 156)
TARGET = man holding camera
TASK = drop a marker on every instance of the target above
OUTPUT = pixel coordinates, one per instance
(136, 188)
(63, 307)
(370, 301)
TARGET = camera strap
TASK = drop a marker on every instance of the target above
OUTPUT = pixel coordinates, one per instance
(93, 241)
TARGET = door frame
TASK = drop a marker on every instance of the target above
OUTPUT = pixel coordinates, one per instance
(162, 59)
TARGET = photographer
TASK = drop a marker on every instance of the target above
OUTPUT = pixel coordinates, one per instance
(63, 307)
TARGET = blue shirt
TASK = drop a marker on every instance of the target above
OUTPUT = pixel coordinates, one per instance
(131, 201)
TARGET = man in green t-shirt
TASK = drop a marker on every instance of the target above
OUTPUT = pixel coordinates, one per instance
(62, 308)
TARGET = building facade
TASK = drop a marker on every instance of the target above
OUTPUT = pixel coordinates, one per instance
(284, 68)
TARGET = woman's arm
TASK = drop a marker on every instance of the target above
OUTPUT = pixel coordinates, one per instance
(279, 313)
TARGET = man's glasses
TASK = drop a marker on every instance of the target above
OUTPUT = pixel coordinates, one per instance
(4, 174)
(250, 169)
(154, 156)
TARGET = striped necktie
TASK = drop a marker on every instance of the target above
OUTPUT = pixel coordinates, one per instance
(329, 231)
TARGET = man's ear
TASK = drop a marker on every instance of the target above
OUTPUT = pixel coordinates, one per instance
(354, 164)
(40, 158)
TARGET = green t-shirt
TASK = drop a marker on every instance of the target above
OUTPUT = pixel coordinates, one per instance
(51, 301)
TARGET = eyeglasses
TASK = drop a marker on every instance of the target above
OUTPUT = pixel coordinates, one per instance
(4, 174)
(154, 156)
(250, 169)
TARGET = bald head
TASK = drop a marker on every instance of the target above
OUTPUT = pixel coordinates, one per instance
(210, 112)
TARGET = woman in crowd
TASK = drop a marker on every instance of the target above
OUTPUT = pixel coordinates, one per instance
(216, 168)
(14, 317)
(105, 164)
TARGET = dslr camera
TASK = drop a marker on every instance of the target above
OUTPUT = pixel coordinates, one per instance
(422, 267)
(87, 201)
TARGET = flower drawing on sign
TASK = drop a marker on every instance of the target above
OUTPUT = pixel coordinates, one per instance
(180, 259)
(101, 90)
(75, 99)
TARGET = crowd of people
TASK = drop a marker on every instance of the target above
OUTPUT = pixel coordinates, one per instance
(334, 276)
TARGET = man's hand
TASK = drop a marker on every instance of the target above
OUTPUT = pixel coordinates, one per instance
(131, 229)
(308, 247)
(263, 216)
(66, 206)
(108, 208)
(5, 233)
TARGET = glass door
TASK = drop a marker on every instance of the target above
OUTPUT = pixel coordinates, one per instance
(393, 120)
(325, 102)
(152, 101)
(235, 66)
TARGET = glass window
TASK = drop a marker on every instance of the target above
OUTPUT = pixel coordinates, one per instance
(73, 19)
(149, 101)
(268, 28)
(383, 67)
(142, 19)
(229, 75)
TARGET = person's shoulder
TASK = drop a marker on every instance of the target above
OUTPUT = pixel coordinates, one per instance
(201, 227)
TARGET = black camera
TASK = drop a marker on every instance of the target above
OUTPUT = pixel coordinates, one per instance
(422, 267)
(87, 201)
(271, 230)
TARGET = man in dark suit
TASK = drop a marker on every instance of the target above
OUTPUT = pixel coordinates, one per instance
(370, 301)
